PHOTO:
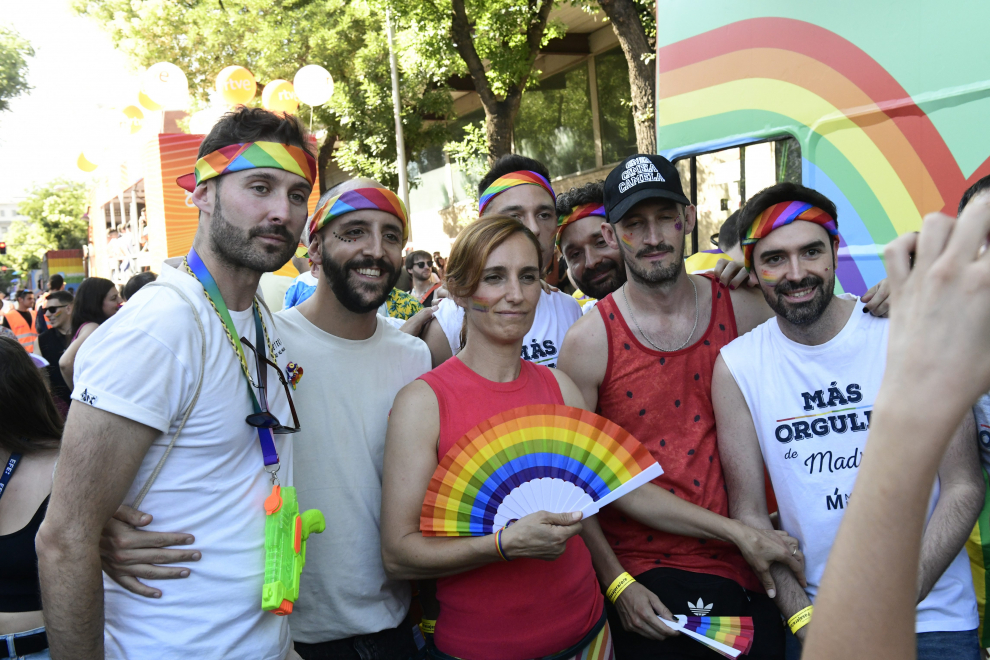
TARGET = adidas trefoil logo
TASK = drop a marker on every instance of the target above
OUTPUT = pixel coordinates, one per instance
(699, 608)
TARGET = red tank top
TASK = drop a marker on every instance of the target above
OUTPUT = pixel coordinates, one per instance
(526, 608)
(665, 401)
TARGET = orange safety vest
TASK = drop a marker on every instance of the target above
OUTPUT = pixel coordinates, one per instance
(25, 334)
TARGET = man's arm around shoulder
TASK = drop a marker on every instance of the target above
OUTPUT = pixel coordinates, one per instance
(100, 455)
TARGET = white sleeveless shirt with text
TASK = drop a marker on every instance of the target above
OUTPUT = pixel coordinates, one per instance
(811, 406)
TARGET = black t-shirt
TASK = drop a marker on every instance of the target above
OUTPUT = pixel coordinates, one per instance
(26, 315)
(52, 344)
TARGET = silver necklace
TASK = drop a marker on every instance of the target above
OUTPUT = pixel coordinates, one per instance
(697, 313)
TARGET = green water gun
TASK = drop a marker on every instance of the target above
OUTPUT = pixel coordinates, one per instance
(286, 531)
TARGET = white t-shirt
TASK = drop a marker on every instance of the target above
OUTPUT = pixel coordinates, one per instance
(143, 364)
(343, 399)
(811, 406)
(555, 314)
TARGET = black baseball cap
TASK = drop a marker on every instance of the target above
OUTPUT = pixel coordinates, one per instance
(639, 177)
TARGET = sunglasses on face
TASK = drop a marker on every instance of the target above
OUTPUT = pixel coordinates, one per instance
(265, 419)
(54, 308)
(423, 264)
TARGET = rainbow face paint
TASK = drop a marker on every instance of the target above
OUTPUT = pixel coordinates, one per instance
(678, 226)
(627, 240)
(480, 305)
(768, 278)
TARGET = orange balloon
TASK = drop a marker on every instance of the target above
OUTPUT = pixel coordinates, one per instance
(236, 85)
(280, 96)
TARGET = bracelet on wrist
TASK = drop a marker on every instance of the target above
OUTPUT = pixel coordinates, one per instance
(618, 585)
(800, 619)
(498, 544)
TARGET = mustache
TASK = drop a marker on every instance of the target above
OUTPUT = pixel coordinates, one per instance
(381, 264)
(277, 231)
(787, 286)
(660, 248)
(607, 265)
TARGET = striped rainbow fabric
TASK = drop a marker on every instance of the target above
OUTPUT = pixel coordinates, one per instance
(978, 548)
(779, 215)
(381, 199)
(534, 458)
(730, 636)
(511, 180)
(247, 156)
(577, 213)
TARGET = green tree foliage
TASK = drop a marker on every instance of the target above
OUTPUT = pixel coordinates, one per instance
(54, 222)
(14, 52)
(273, 39)
(495, 42)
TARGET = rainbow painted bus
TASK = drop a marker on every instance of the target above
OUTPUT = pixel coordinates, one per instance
(886, 104)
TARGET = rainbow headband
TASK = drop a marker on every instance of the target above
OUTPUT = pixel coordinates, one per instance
(578, 213)
(358, 199)
(511, 180)
(779, 215)
(248, 156)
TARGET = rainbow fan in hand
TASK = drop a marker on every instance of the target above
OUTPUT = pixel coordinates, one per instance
(730, 636)
(535, 458)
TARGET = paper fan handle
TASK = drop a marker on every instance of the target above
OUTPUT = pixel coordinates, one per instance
(718, 647)
(644, 477)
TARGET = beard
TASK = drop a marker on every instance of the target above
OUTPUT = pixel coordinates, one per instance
(598, 290)
(358, 297)
(237, 248)
(658, 274)
(800, 313)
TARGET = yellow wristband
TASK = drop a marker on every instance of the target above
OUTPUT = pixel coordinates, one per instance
(427, 626)
(800, 620)
(618, 586)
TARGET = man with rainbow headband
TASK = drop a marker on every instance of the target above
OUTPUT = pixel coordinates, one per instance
(179, 410)
(797, 393)
(519, 187)
(355, 362)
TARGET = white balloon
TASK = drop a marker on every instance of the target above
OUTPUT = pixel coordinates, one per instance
(313, 84)
(166, 85)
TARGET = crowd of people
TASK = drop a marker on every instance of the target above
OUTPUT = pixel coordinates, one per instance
(140, 460)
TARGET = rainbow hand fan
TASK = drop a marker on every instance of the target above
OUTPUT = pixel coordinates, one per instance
(731, 636)
(535, 458)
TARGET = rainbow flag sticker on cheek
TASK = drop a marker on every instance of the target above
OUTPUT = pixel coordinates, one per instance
(534, 458)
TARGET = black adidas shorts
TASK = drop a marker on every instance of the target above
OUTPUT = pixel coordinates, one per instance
(681, 590)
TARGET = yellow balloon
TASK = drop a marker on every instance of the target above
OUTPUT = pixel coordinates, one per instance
(280, 96)
(133, 120)
(147, 103)
(84, 164)
(236, 85)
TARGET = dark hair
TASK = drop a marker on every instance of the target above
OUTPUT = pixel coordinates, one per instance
(135, 283)
(253, 124)
(24, 293)
(63, 296)
(30, 419)
(411, 257)
(88, 307)
(775, 194)
(590, 193)
(56, 282)
(511, 163)
(728, 233)
(973, 191)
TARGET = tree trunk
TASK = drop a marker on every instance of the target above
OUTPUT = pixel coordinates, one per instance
(642, 75)
(323, 159)
(499, 114)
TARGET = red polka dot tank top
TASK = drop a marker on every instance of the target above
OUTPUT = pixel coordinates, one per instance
(665, 401)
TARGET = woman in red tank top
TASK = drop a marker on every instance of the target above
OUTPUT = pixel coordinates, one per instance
(543, 600)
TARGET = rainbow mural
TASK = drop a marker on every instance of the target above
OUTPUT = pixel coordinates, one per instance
(865, 141)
